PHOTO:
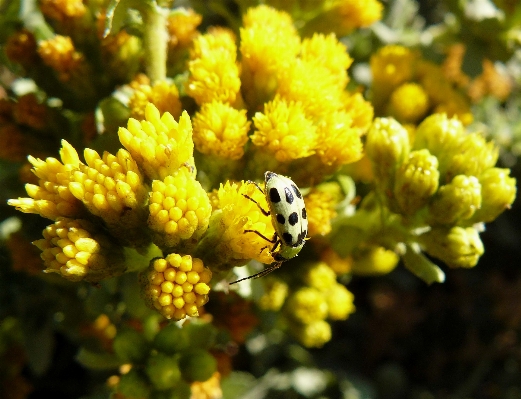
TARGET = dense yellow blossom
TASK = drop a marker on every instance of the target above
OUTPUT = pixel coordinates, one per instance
(455, 201)
(182, 27)
(112, 188)
(209, 389)
(417, 180)
(220, 130)
(226, 243)
(320, 208)
(312, 335)
(214, 72)
(374, 261)
(360, 110)
(284, 130)
(498, 192)
(306, 305)
(159, 144)
(456, 247)
(177, 286)
(328, 51)
(52, 198)
(335, 262)
(320, 276)
(179, 209)
(78, 251)
(339, 142)
(61, 10)
(408, 103)
(59, 53)
(163, 95)
(275, 293)
(339, 302)
(268, 42)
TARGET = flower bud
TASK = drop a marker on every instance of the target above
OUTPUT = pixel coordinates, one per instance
(130, 346)
(197, 365)
(163, 371)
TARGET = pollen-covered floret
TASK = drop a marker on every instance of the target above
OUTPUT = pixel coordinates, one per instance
(177, 286)
(214, 71)
(416, 181)
(51, 198)
(320, 208)
(226, 244)
(78, 251)
(179, 209)
(408, 103)
(159, 144)
(163, 95)
(284, 130)
(221, 130)
(112, 188)
(456, 246)
(306, 305)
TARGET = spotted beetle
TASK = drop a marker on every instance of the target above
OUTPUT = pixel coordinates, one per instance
(288, 216)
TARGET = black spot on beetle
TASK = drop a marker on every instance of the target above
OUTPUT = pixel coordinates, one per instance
(296, 191)
(289, 195)
(288, 238)
(304, 213)
(274, 195)
(281, 219)
(293, 219)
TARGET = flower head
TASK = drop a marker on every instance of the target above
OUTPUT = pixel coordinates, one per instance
(77, 250)
(177, 286)
(159, 144)
(163, 95)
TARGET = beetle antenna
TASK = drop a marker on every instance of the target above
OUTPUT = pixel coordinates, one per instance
(261, 273)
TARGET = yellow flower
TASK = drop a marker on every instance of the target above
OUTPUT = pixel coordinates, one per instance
(311, 335)
(408, 103)
(456, 201)
(442, 137)
(387, 147)
(284, 130)
(179, 209)
(182, 27)
(357, 14)
(391, 66)
(275, 293)
(61, 10)
(176, 286)
(498, 192)
(163, 95)
(312, 85)
(159, 144)
(214, 72)
(417, 180)
(328, 51)
(226, 244)
(51, 198)
(220, 130)
(112, 188)
(59, 54)
(268, 41)
(335, 262)
(78, 251)
(320, 207)
(457, 246)
(320, 276)
(339, 142)
(374, 261)
(209, 389)
(340, 302)
(360, 110)
(306, 305)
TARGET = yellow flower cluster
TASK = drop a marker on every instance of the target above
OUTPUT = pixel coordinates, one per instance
(177, 286)
(321, 298)
(444, 179)
(179, 209)
(296, 85)
(159, 144)
(320, 208)
(409, 88)
(78, 251)
(59, 54)
(226, 244)
(163, 95)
